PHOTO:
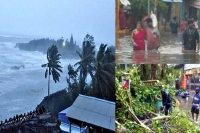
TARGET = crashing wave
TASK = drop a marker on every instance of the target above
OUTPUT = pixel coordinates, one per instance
(17, 67)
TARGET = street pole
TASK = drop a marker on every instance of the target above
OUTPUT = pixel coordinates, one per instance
(155, 7)
(148, 6)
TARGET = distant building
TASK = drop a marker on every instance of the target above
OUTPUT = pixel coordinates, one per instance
(191, 78)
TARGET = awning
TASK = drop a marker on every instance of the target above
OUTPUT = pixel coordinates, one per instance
(172, 1)
(195, 4)
(125, 2)
(177, 1)
(62, 116)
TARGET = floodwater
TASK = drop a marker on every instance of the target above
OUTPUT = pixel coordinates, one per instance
(186, 104)
(170, 51)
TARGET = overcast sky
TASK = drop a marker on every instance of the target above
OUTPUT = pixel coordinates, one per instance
(191, 66)
(60, 18)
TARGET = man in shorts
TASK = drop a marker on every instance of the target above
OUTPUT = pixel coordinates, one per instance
(195, 104)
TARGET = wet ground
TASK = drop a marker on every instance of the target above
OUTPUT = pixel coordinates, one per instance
(186, 104)
(170, 51)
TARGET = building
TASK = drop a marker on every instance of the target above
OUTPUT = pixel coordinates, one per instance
(191, 78)
(65, 124)
(194, 8)
(118, 3)
(174, 9)
(90, 115)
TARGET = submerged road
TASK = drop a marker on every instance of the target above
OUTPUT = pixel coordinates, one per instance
(170, 51)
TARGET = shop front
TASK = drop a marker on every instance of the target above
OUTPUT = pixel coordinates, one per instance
(122, 11)
(194, 10)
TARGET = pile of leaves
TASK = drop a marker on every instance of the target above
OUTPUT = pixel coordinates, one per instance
(136, 110)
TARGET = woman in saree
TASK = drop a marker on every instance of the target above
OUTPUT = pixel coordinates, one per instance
(138, 36)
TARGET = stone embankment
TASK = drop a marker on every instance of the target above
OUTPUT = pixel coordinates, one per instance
(36, 121)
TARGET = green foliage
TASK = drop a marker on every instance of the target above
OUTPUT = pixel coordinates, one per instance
(140, 7)
(85, 65)
(141, 100)
(73, 86)
(100, 68)
(53, 66)
(57, 102)
(180, 122)
(68, 50)
(104, 77)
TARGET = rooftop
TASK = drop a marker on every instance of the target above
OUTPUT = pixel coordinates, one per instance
(94, 111)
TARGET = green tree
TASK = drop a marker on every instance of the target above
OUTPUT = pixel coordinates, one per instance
(73, 87)
(86, 63)
(140, 7)
(104, 78)
(52, 67)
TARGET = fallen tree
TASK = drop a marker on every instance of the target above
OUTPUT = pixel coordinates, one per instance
(137, 112)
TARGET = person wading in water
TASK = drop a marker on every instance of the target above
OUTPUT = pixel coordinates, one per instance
(190, 37)
(195, 104)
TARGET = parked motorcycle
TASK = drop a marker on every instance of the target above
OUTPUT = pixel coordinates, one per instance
(182, 93)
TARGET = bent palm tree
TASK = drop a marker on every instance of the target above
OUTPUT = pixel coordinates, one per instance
(52, 67)
(86, 64)
(104, 78)
(71, 79)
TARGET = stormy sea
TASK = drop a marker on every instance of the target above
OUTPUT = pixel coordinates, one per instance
(22, 79)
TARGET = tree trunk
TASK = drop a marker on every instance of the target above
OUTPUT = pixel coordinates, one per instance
(144, 72)
(81, 82)
(163, 71)
(153, 71)
(49, 84)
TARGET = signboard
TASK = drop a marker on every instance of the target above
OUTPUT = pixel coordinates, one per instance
(195, 3)
(125, 83)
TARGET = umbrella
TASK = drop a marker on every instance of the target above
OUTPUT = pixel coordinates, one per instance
(125, 2)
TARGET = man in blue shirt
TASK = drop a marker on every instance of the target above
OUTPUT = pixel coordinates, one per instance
(174, 26)
(195, 104)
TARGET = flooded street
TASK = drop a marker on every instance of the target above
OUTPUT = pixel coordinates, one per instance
(170, 51)
(186, 104)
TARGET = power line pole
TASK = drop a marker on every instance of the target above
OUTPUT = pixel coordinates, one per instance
(148, 6)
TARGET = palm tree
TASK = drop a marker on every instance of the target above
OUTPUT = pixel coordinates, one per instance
(104, 78)
(73, 86)
(72, 74)
(52, 67)
(86, 64)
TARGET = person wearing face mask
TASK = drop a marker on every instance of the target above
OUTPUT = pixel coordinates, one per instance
(190, 37)
(137, 37)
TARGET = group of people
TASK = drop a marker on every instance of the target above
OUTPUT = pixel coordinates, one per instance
(146, 30)
(167, 103)
(189, 32)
